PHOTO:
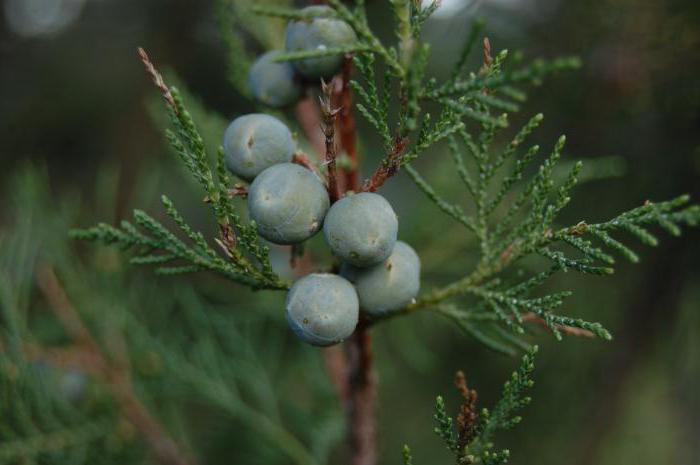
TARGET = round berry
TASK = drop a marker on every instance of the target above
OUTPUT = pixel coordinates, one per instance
(72, 384)
(255, 142)
(318, 34)
(288, 203)
(387, 286)
(361, 229)
(322, 309)
(273, 83)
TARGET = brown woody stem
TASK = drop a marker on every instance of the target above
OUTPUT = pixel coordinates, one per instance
(330, 115)
(362, 398)
(351, 372)
(346, 123)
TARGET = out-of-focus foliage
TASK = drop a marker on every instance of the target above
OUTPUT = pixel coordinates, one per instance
(187, 355)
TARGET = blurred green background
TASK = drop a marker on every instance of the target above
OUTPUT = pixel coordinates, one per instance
(80, 142)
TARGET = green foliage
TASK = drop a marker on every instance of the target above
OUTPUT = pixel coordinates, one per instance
(39, 422)
(160, 247)
(525, 227)
(512, 217)
(40, 426)
(248, 260)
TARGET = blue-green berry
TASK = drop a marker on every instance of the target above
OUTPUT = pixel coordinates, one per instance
(273, 83)
(361, 229)
(318, 34)
(70, 383)
(322, 309)
(388, 286)
(288, 203)
(255, 142)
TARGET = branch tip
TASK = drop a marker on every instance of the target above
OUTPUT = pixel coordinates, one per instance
(157, 79)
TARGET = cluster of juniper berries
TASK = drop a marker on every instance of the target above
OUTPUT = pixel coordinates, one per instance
(290, 203)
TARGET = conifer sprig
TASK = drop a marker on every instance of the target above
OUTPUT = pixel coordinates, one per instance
(470, 437)
(159, 246)
(498, 306)
(247, 260)
(459, 102)
(523, 226)
(38, 423)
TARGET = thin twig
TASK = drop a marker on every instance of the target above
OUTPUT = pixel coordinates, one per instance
(389, 167)
(329, 115)
(238, 190)
(570, 330)
(157, 79)
(300, 158)
(346, 125)
(467, 416)
(113, 374)
(488, 61)
(227, 240)
(296, 253)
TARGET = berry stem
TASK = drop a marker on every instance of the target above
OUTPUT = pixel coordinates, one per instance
(300, 158)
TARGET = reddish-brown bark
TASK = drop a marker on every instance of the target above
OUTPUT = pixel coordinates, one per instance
(361, 402)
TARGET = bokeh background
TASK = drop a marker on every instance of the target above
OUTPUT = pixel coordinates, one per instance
(81, 142)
